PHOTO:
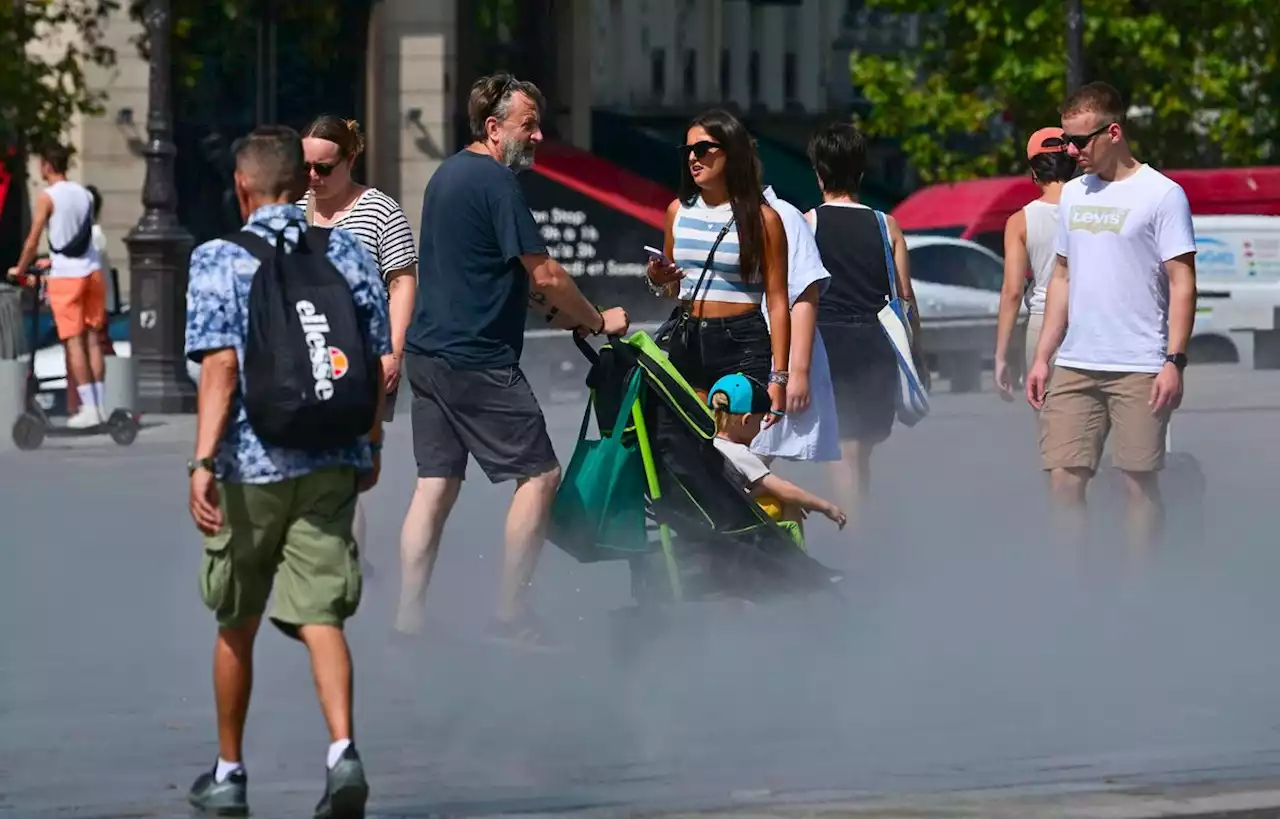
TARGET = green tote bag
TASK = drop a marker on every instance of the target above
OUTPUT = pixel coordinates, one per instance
(599, 510)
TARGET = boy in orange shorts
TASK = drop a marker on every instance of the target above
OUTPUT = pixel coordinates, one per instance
(76, 286)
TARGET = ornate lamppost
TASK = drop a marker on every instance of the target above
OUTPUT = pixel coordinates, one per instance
(159, 247)
(1075, 45)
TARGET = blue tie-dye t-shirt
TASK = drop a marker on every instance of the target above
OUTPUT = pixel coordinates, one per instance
(217, 318)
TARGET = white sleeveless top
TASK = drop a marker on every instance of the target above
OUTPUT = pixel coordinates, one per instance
(72, 205)
(694, 232)
(1042, 233)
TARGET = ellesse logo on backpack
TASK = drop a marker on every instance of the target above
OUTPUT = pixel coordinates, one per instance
(328, 363)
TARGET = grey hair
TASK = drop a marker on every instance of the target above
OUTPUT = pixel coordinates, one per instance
(491, 97)
(271, 160)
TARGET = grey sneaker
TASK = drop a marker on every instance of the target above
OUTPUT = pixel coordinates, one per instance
(346, 790)
(226, 798)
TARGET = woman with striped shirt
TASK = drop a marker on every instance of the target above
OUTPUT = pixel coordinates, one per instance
(331, 145)
(721, 206)
(335, 199)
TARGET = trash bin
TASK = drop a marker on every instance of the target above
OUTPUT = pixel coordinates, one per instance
(13, 356)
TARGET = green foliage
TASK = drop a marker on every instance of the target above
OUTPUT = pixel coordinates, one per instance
(40, 95)
(218, 32)
(1204, 76)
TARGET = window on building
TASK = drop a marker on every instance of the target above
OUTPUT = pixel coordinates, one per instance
(658, 71)
(690, 73)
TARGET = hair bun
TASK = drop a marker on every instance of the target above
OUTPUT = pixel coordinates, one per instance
(354, 127)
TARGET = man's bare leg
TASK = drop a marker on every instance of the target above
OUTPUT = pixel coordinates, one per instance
(1144, 511)
(526, 530)
(78, 367)
(1068, 488)
(433, 500)
(331, 668)
(97, 367)
(232, 684)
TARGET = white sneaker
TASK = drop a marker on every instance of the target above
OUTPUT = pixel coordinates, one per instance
(85, 418)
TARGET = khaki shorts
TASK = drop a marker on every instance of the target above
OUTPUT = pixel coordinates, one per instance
(1082, 407)
(294, 537)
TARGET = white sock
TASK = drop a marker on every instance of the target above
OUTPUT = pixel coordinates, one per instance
(87, 396)
(225, 769)
(335, 751)
(100, 393)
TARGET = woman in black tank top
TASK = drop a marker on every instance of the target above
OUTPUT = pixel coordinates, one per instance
(864, 366)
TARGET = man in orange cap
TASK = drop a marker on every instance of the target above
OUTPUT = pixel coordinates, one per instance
(1029, 252)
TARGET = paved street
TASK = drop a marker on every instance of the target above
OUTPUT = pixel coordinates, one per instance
(970, 654)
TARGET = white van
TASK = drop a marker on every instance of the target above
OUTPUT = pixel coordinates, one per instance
(1237, 258)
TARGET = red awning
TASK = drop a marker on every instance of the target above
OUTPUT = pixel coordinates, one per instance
(4, 187)
(977, 205)
(605, 182)
(981, 206)
(1253, 191)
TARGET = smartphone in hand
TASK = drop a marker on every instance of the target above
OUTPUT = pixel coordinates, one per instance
(658, 256)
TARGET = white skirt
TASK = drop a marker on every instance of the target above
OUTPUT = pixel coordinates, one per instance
(813, 435)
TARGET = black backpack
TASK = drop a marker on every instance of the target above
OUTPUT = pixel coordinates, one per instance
(310, 373)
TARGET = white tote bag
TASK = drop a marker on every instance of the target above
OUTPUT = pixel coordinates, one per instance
(912, 398)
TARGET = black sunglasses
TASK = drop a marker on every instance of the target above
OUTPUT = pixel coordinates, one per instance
(700, 148)
(321, 168)
(1082, 142)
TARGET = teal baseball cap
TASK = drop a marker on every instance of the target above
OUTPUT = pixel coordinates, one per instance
(746, 394)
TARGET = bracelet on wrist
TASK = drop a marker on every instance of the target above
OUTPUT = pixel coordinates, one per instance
(779, 377)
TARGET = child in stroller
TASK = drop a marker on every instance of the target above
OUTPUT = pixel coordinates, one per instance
(739, 403)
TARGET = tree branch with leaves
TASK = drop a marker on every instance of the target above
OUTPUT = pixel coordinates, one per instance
(1202, 80)
(42, 90)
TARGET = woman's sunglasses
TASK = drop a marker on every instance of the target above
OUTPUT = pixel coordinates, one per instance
(700, 148)
(1082, 142)
(321, 168)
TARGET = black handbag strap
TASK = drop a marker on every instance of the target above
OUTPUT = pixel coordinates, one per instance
(711, 254)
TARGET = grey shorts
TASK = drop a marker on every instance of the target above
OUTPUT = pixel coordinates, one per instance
(491, 415)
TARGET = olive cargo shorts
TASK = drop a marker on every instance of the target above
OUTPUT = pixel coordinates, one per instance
(294, 536)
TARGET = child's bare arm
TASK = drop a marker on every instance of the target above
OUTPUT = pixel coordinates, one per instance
(787, 492)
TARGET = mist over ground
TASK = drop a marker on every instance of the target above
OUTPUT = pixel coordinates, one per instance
(969, 650)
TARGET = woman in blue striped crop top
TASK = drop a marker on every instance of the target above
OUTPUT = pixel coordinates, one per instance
(721, 198)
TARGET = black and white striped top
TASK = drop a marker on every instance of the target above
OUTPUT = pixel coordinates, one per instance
(379, 223)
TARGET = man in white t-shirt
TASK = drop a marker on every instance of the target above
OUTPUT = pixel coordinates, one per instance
(1123, 292)
(76, 286)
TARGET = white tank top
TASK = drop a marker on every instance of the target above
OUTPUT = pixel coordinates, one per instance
(1042, 233)
(695, 231)
(72, 205)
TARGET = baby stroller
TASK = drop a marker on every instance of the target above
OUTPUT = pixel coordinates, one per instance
(653, 490)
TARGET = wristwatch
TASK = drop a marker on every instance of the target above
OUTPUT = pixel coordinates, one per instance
(1178, 360)
(200, 463)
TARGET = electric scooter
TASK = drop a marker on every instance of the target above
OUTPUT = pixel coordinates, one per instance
(31, 428)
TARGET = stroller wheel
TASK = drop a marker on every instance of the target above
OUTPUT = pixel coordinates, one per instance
(28, 432)
(123, 427)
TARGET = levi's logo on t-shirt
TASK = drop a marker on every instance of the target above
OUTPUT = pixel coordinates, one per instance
(1098, 218)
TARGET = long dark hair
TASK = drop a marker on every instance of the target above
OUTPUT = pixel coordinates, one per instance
(742, 178)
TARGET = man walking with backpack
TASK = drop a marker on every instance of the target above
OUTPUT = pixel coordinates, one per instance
(288, 323)
(483, 263)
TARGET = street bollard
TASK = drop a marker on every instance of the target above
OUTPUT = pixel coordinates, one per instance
(13, 393)
(120, 386)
